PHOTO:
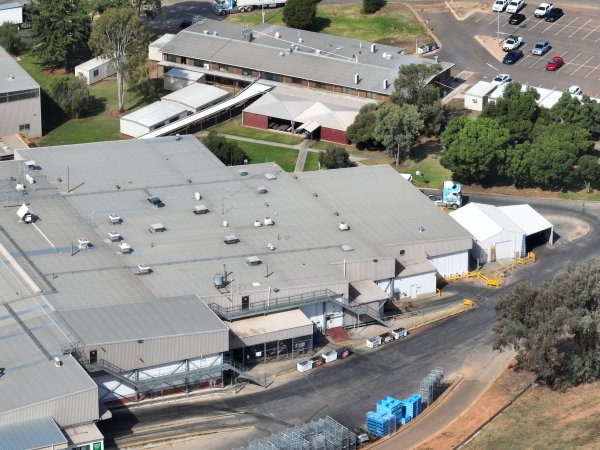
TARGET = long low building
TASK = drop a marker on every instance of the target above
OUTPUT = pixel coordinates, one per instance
(145, 267)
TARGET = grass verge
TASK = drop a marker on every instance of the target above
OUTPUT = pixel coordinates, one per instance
(234, 127)
(394, 24)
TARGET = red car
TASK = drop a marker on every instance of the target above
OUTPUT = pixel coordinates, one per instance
(554, 63)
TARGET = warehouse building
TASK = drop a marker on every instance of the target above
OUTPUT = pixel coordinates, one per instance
(319, 115)
(230, 54)
(151, 117)
(223, 268)
(20, 105)
(504, 232)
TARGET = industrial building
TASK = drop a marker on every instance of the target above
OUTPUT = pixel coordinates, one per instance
(230, 54)
(20, 104)
(504, 232)
(226, 265)
(320, 115)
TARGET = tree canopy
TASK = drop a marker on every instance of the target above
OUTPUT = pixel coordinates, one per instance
(335, 157)
(588, 170)
(299, 13)
(71, 93)
(229, 153)
(120, 35)
(555, 327)
(411, 80)
(60, 30)
(371, 6)
(397, 128)
(8, 36)
(361, 131)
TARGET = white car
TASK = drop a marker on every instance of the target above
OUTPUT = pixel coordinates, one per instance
(500, 79)
(575, 90)
(542, 10)
(500, 5)
(515, 6)
(512, 43)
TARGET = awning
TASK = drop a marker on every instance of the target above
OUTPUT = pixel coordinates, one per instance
(269, 328)
(311, 126)
(366, 291)
(528, 219)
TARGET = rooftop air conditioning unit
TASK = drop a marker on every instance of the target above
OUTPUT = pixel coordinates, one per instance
(262, 190)
(219, 280)
(231, 239)
(144, 269)
(270, 176)
(268, 221)
(113, 236)
(83, 243)
(343, 226)
(125, 248)
(243, 172)
(253, 261)
(258, 224)
(200, 209)
(115, 219)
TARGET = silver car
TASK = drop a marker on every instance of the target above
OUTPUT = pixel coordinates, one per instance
(541, 47)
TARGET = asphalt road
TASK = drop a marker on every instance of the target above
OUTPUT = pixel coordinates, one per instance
(575, 37)
(349, 389)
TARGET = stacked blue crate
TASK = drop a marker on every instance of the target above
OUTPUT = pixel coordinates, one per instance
(380, 423)
(412, 405)
(391, 406)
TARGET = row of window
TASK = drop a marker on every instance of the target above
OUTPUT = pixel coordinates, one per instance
(18, 95)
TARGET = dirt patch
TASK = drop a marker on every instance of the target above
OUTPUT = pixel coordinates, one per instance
(492, 45)
(464, 9)
(569, 228)
(500, 393)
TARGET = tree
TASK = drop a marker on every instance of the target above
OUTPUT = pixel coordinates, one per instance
(371, 6)
(411, 80)
(555, 327)
(229, 153)
(335, 157)
(299, 13)
(361, 131)
(570, 110)
(397, 128)
(71, 93)
(120, 35)
(8, 36)
(564, 132)
(515, 110)
(474, 152)
(60, 30)
(588, 170)
(150, 8)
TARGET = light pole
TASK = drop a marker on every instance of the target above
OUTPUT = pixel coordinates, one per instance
(498, 32)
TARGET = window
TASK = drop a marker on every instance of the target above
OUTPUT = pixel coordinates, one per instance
(158, 125)
(296, 80)
(223, 68)
(246, 302)
(174, 119)
(24, 127)
(96, 72)
(171, 58)
(320, 85)
(371, 95)
(198, 63)
(347, 90)
(247, 72)
(272, 76)
(18, 95)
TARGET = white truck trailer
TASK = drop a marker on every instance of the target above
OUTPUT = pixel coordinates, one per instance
(224, 7)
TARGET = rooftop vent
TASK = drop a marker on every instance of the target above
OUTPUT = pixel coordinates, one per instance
(144, 269)
(30, 164)
(197, 196)
(113, 236)
(243, 172)
(270, 176)
(57, 362)
(277, 35)
(11, 77)
(421, 229)
(386, 84)
(204, 31)
(262, 190)
(270, 246)
(200, 209)
(156, 202)
(115, 219)
(219, 280)
(300, 40)
(268, 221)
(258, 224)
(373, 48)
(177, 137)
(253, 261)
(231, 239)
(83, 243)
(214, 33)
(343, 226)
(157, 228)
(347, 248)
(225, 224)
(247, 35)
(356, 78)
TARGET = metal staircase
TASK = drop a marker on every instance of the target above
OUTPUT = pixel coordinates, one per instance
(273, 305)
(361, 310)
(176, 378)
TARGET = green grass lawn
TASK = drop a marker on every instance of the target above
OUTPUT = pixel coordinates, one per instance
(234, 127)
(103, 126)
(393, 23)
(312, 162)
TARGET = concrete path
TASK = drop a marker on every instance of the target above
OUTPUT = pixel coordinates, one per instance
(302, 155)
(258, 141)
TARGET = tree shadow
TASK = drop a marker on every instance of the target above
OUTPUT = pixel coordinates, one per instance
(52, 116)
(422, 150)
(149, 91)
(95, 106)
(319, 24)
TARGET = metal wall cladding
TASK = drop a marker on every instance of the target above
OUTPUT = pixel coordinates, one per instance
(371, 269)
(237, 342)
(228, 301)
(69, 410)
(21, 112)
(151, 352)
(430, 249)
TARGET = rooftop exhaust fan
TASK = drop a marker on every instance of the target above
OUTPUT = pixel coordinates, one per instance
(343, 226)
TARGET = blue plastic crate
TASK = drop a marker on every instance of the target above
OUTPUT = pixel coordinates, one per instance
(388, 405)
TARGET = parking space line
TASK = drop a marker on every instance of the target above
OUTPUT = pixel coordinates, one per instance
(566, 26)
(537, 23)
(592, 71)
(589, 20)
(483, 14)
(597, 26)
(583, 65)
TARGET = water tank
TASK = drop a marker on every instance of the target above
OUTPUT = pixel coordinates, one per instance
(219, 281)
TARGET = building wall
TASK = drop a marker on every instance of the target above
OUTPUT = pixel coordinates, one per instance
(153, 352)
(506, 244)
(475, 102)
(424, 284)
(452, 263)
(77, 408)
(332, 135)
(105, 70)
(132, 129)
(238, 342)
(255, 120)
(324, 315)
(174, 84)
(12, 15)
(16, 115)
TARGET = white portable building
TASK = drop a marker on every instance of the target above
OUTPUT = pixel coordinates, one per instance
(500, 233)
(11, 13)
(155, 115)
(95, 70)
(196, 97)
(176, 79)
(154, 53)
(477, 97)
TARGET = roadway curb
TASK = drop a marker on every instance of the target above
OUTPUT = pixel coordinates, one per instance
(465, 17)
(427, 29)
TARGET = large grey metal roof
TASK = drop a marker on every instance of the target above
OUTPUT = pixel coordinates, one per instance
(195, 96)
(12, 76)
(154, 113)
(31, 434)
(313, 56)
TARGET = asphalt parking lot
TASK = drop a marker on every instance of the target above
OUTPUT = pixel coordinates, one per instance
(575, 37)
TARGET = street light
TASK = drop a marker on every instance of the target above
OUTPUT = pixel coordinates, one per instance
(498, 32)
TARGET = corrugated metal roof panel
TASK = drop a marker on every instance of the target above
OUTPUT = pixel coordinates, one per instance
(31, 434)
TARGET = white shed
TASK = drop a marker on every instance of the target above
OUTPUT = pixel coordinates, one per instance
(151, 117)
(154, 53)
(176, 79)
(95, 70)
(477, 97)
(500, 233)
(196, 97)
(11, 13)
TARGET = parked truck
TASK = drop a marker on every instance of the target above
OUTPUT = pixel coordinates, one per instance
(542, 10)
(451, 195)
(224, 7)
